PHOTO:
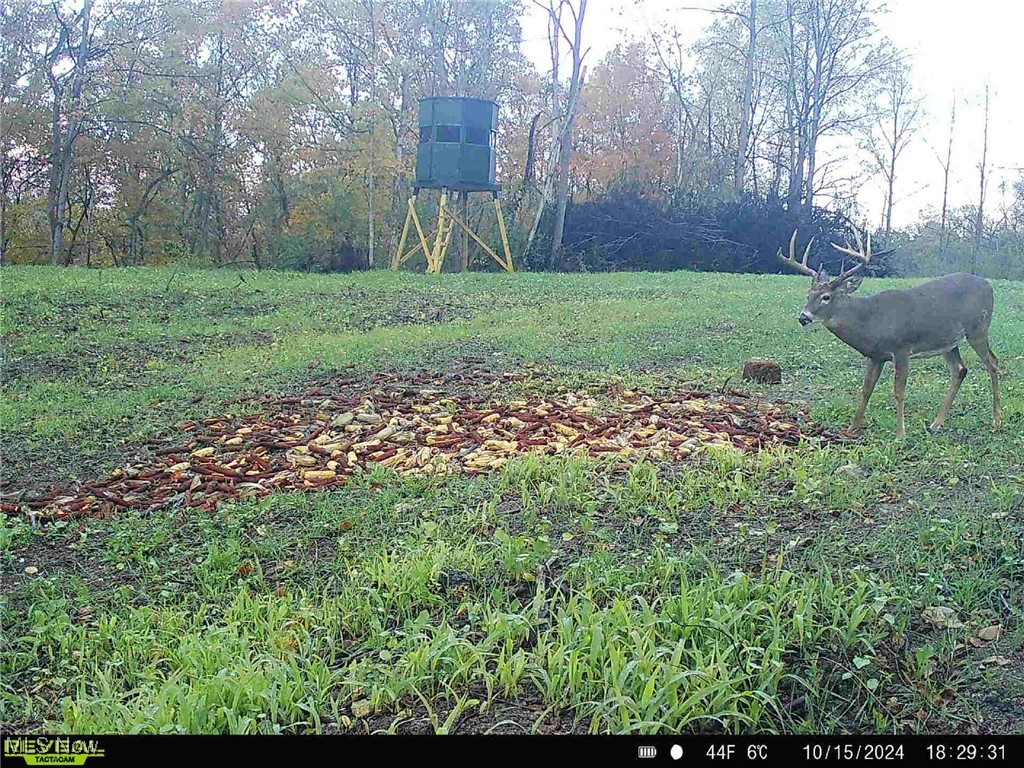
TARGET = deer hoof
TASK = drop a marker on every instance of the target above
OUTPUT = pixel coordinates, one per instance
(935, 427)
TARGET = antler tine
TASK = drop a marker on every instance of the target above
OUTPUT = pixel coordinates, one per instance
(791, 262)
(807, 252)
(862, 254)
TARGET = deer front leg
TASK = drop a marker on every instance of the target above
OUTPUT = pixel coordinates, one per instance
(874, 370)
(902, 363)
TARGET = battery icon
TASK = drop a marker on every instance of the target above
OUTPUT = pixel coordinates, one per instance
(646, 752)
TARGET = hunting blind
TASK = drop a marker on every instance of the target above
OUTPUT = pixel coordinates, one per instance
(456, 154)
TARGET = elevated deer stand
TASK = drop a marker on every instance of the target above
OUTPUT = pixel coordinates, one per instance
(456, 154)
(447, 220)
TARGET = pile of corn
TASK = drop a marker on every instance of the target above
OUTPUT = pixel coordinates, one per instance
(318, 440)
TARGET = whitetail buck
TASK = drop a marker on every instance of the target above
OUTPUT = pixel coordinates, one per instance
(897, 325)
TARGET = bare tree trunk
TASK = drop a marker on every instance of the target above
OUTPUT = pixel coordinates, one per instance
(373, 138)
(680, 148)
(4, 236)
(528, 171)
(945, 178)
(206, 228)
(53, 194)
(565, 140)
(562, 189)
(747, 107)
(812, 157)
(89, 228)
(979, 221)
(399, 189)
(545, 195)
(432, 15)
(813, 131)
(554, 36)
(64, 156)
(796, 127)
(888, 200)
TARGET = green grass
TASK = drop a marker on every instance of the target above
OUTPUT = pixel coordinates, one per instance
(779, 592)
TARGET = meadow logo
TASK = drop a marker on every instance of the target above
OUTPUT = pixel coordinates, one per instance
(45, 750)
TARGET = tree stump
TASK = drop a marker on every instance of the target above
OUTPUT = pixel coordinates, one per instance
(764, 371)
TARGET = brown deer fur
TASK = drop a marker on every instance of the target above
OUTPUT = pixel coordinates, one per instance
(900, 324)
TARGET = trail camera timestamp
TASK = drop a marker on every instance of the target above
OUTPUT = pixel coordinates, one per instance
(968, 752)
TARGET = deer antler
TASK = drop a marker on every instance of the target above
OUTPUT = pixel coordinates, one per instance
(863, 254)
(791, 262)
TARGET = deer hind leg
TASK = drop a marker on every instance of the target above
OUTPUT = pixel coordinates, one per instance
(902, 363)
(874, 370)
(957, 373)
(980, 345)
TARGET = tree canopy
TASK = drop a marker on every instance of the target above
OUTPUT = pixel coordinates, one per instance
(267, 133)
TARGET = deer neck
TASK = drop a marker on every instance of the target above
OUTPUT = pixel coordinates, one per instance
(851, 324)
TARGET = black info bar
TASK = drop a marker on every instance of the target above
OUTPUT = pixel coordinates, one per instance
(98, 751)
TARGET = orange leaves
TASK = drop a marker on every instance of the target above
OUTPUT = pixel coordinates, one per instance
(619, 133)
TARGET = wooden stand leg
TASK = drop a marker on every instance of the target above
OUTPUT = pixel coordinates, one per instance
(508, 265)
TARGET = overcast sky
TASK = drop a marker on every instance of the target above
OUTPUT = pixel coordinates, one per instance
(957, 46)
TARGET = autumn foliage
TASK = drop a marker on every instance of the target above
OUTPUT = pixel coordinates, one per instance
(263, 133)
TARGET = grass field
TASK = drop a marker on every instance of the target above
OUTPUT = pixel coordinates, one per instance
(780, 591)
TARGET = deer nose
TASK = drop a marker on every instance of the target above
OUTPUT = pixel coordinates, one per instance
(805, 318)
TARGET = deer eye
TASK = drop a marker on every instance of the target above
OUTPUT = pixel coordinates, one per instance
(825, 299)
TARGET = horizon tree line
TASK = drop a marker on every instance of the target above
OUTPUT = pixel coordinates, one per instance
(270, 134)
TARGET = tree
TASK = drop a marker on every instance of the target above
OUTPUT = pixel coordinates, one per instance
(670, 67)
(722, 45)
(623, 143)
(771, 80)
(372, 185)
(564, 109)
(746, 106)
(67, 116)
(893, 129)
(979, 220)
(946, 166)
(23, 119)
(265, 133)
(843, 58)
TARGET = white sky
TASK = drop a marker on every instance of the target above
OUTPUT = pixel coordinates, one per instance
(956, 46)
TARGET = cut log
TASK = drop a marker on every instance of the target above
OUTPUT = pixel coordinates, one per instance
(764, 371)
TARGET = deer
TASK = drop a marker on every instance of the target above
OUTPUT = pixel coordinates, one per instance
(899, 325)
